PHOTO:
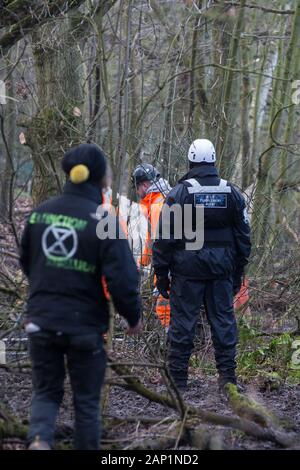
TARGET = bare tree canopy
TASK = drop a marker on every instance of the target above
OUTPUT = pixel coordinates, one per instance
(143, 79)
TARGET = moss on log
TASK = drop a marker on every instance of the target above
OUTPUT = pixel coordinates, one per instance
(246, 425)
(9, 425)
(247, 407)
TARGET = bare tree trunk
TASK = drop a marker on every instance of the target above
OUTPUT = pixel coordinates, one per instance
(220, 52)
(123, 157)
(225, 150)
(8, 136)
(58, 123)
(247, 170)
(281, 94)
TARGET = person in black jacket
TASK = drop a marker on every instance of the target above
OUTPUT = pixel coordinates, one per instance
(66, 258)
(210, 275)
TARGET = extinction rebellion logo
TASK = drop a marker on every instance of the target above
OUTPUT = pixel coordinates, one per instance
(59, 242)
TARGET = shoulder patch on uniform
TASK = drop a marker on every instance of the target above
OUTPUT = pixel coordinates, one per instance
(246, 216)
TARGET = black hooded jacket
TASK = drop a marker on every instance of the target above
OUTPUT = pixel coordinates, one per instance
(65, 262)
(227, 246)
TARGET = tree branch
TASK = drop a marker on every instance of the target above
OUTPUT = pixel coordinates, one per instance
(260, 7)
(25, 23)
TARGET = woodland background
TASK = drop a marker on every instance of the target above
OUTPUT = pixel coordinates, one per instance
(143, 79)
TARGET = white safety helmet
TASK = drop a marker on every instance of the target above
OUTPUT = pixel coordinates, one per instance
(202, 150)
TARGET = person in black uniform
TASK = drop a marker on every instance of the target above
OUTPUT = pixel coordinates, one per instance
(211, 275)
(67, 311)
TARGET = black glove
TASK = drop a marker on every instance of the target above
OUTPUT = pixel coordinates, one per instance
(163, 286)
(237, 284)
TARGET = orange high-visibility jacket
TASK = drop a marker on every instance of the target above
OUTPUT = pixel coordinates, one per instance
(151, 205)
(107, 200)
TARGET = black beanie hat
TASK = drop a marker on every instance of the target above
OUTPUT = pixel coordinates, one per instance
(87, 162)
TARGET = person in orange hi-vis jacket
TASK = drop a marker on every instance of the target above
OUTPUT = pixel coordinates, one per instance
(152, 190)
(107, 202)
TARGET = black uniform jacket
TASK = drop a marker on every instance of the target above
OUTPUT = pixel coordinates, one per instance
(65, 261)
(227, 245)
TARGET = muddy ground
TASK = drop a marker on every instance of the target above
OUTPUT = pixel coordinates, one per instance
(15, 384)
(284, 402)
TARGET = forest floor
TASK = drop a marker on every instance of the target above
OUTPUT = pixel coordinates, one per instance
(134, 409)
(267, 334)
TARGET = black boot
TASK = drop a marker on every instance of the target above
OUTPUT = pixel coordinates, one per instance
(179, 377)
(228, 377)
(182, 386)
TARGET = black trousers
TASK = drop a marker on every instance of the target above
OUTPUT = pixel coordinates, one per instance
(186, 298)
(86, 361)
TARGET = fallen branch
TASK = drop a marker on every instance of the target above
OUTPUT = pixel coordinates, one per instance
(246, 425)
(246, 407)
(180, 433)
(167, 441)
(9, 426)
(23, 23)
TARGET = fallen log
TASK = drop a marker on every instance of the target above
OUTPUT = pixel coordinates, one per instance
(167, 441)
(249, 427)
(253, 420)
(247, 407)
(180, 434)
(204, 440)
(9, 425)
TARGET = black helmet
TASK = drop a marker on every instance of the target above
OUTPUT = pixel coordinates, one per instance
(144, 172)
